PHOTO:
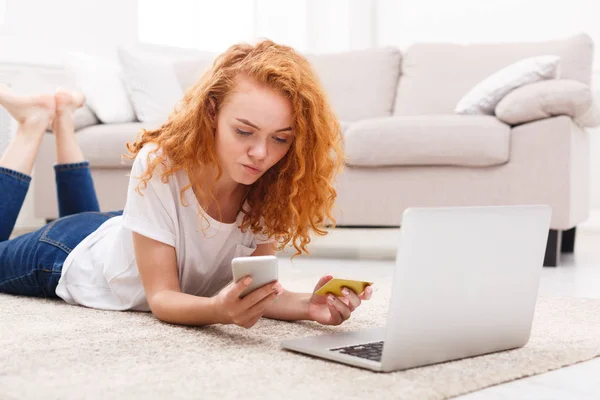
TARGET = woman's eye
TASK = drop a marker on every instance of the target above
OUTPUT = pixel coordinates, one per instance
(280, 140)
(243, 133)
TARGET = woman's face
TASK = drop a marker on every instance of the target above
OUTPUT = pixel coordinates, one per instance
(254, 131)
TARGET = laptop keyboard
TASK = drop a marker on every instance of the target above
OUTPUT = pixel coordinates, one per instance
(370, 351)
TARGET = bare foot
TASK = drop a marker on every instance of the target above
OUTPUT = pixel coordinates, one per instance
(67, 148)
(29, 111)
(66, 103)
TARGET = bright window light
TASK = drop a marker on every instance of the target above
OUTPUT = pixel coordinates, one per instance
(2, 11)
(306, 25)
(205, 25)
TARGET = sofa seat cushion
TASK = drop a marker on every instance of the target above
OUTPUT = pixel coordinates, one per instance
(460, 140)
(104, 144)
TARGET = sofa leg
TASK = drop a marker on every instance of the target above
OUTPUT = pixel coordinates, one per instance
(568, 240)
(553, 247)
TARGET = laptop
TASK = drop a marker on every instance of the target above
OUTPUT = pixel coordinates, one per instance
(465, 284)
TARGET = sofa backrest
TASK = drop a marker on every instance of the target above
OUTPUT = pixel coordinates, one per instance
(436, 75)
(359, 84)
(189, 64)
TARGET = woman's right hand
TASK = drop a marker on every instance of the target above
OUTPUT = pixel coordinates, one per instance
(247, 311)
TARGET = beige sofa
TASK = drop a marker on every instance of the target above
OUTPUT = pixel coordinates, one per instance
(405, 145)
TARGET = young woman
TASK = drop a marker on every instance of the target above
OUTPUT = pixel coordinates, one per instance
(243, 166)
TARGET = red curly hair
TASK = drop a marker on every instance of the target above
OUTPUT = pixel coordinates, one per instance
(296, 194)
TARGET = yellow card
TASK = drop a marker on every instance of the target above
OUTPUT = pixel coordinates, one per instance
(335, 286)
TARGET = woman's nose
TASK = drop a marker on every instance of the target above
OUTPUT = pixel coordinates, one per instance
(258, 150)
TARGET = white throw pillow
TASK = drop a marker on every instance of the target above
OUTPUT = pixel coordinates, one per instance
(101, 82)
(152, 85)
(189, 71)
(483, 97)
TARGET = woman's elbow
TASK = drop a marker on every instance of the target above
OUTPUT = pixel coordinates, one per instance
(159, 307)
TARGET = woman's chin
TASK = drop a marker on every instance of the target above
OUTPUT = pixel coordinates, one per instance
(246, 180)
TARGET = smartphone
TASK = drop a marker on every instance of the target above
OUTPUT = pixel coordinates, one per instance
(262, 269)
(335, 286)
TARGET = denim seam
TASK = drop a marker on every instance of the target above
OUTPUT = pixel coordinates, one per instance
(66, 167)
(44, 238)
(20, 277)
(15, 174)
(50, 270)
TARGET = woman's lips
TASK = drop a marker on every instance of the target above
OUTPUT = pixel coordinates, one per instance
(252, 170)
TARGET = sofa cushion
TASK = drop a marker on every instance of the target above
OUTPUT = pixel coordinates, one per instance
(436, 75)
(100, 81)
(104, 144)
(360, 84)
(84, 117)
(547, 99)
(189, 64)
(189, 71)
(153, 99)
(344, 125)
(483, 97)
(461, 140)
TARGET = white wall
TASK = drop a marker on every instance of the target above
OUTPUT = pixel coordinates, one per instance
(595, 165)
(307, 25)
(492, 20)
(595, 146)
(37, 31)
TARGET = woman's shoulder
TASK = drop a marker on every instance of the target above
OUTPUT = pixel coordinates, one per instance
(148, 153)
(144, 167)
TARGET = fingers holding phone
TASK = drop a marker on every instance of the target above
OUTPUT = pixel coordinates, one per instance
(245, 312)
(254, 288)
(258, 300)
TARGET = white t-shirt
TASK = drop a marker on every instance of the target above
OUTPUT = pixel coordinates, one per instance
(101, 271)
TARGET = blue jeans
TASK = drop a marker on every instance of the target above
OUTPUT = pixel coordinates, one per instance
(31, 264)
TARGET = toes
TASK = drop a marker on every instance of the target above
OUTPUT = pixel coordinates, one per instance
(66, 99)
(79, 99)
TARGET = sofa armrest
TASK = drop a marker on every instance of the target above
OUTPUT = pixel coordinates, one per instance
(547, 99)
(550, 159)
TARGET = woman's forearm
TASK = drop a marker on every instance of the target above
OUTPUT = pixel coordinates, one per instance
(184, 309)
(290, 307)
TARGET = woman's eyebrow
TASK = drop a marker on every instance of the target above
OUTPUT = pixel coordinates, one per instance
(246, 122)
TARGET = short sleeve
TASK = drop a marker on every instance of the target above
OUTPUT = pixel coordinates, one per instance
(152, 212)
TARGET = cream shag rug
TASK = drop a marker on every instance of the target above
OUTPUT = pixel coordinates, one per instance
(52, 350)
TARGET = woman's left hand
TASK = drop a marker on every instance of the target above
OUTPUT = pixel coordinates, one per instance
(332, 310)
